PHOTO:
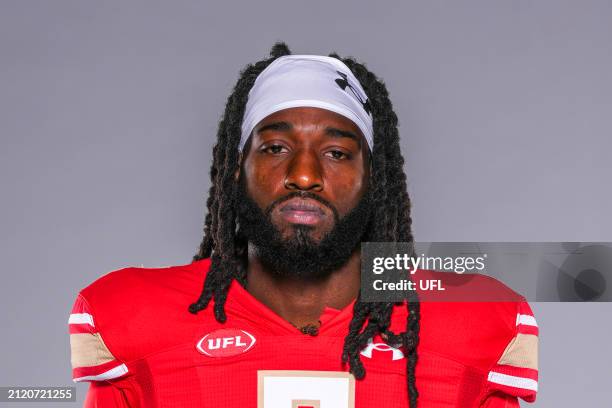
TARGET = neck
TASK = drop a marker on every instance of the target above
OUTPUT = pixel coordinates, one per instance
(301, 302)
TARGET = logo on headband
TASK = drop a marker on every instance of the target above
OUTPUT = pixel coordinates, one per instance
(344, 84)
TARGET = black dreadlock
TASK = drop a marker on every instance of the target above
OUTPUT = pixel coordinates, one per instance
(390, 221)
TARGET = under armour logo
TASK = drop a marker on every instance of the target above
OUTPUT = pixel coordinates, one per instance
(344, 84)
(367, 352)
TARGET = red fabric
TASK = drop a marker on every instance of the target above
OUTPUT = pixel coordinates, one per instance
(142, 316)
(104, 395)
(500, 400)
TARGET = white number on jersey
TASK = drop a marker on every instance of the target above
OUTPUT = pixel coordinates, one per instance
(305, 389)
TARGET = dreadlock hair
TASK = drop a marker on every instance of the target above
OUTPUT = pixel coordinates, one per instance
(390, 219)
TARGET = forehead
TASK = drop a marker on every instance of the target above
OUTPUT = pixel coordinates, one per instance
(308, 117)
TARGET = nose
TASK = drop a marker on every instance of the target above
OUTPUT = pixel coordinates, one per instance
(304, 173)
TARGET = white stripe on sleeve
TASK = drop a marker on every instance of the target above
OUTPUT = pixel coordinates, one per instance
(512, 381)
(81, 318)
(527, 320)
(107, 375)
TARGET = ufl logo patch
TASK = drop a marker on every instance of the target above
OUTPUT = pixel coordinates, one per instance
(226, 343)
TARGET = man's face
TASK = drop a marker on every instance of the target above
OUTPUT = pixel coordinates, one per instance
(307, 172)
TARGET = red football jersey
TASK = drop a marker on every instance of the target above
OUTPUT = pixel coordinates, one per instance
(132, 337)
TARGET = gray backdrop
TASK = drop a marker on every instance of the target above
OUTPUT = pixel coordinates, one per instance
(108, 112)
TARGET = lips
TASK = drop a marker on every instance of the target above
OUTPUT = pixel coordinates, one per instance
(302, 211)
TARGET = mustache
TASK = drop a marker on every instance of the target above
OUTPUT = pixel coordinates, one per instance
(301, 194)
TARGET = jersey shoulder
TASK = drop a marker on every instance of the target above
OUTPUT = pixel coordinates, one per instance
(485, 325)
(145, 289)
(129, 313)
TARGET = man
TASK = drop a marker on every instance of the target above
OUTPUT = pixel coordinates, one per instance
(306, 167)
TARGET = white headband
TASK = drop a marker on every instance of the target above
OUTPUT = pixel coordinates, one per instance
(293, 81)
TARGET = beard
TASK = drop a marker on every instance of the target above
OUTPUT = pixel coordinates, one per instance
(300, 256)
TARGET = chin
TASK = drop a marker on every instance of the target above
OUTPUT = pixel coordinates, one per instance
(302, 232)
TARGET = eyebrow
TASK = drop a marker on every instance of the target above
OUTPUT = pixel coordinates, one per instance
(278, 126)
(334, 132)
(329, 131)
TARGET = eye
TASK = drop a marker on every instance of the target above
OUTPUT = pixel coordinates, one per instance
(274, 149)
(337, 155)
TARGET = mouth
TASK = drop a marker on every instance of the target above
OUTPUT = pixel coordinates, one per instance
(302, 211)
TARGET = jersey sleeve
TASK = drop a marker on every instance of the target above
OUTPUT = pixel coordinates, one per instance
(515, 374)
(90, 357)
